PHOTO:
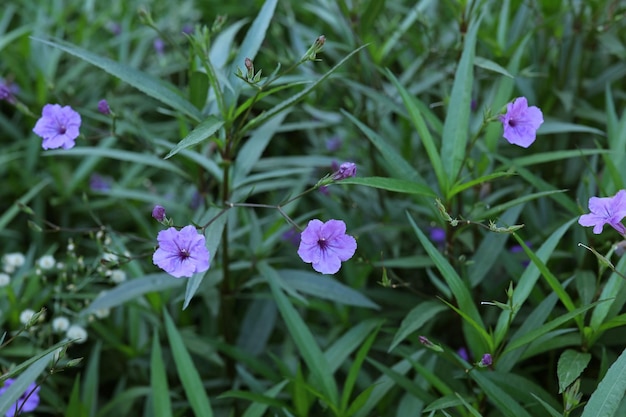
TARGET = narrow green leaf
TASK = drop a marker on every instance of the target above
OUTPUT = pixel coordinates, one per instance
(201, 133)
(187, 371)
(553, 127)
(551, 325)
(416, 118)
(541, 158)
(415, 319)
(75, 407)
(489, 65)
(198, 89)
(260, 119)
(396, 164)
(607, 397)
(14, 209)
(20, 385)
(402, 381)
(456, 125)
(258, 409)
(551, 410)
(391, 184)
(121, 155)
(131, 290)
(251, 44)
(91, 381)
(341, 348)
(302, 337)
(360, 401)
(355, 368)
(161, 403)
(459, 187)
(503, 401)
(569, 367)
(147, 83)
(494, 211)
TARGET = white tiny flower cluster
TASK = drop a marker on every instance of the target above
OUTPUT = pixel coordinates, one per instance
(12, 261)
(46, 262)
(74, 332)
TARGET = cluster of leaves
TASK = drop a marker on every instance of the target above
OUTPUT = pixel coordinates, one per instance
(225, 124)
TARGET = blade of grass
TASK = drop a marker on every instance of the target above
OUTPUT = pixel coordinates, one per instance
(161, 403)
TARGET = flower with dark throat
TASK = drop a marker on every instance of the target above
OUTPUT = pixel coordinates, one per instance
(58, 126)
(181, 253)
(326, 245)
(27, 402)
(521, 122)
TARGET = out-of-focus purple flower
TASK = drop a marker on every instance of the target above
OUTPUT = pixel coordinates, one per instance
(437, 235)
(8, 90)
(486, 360)
(608, 210)
(114, 27)
(521, 122)
(324, 190)
(346, 170)
(103, 107)
(99, 183)
(463, 353)
(333, 144)
(326, 245)
(196, 200)
(187, 29)
(292, 236)
(58, 126)
(181, 253)
(159, 46)
(158, 213)
(27, 402)
(473, 105)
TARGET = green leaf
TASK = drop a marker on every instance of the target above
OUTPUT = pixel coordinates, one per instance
(417, 390)
(503, 401)
(147, 83)
(391, 184)
(324, 287)
(121, 155)
(260, 119)
(20, 385)
(491, 66)
(131, 290)
(355, 368)
(541, 158)
(553, 127)
(551, 410)
(251, 45)
(456, 125)
(422, 129)
(302, 337)
(459, 187)
(459, 290)
(396, 164)
(187, 371)
(258, 409)
(14, 209)
(569, 367)
(607, 397)
(415, 319)
(337, 354)
(533, 334)
(161, 403)
(202, 132)
(198, 89)
(494, 211)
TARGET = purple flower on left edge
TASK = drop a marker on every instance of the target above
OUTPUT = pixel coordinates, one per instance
(607, 210)
(181, 253)
(521, 122)
(58, 126)
(27, 402)
(345, 170)
(326, 245)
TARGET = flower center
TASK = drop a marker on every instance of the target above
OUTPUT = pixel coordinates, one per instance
(322, 243)
(184, 254)
(512, 122)
(62, 129)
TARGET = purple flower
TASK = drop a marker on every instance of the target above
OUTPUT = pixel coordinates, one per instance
(521, 122)
(58, 126)
(181, 253)
(346, 170)
(187, 29)
(326, 245)
(159, 46)
(333, 144)
(463, 353)
(486, 360)
(27, 402)
(292, 236)
(114, 27)
(8, 90)
(99, 183)
(158, 212)
(437, 235)
(103, 107)
(608, 210)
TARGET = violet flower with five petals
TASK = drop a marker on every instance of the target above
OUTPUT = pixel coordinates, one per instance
(521, 122)
(27, 402)
(326, 245)
(58, 126)
(181, 253)
(607, 210)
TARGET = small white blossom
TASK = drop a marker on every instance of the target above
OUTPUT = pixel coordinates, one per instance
(15, 259)
(46, 262)
(77, 333)
(70, 246)
(26, 316)
(109, 257)
(60, 324)
(4, 279)
(118, 276)
(102, 313)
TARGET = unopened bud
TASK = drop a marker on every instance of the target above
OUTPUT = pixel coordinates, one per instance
(486, 361)
(250, 68)
(430, 345)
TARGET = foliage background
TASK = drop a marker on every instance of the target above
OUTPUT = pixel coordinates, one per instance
(263, 334)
